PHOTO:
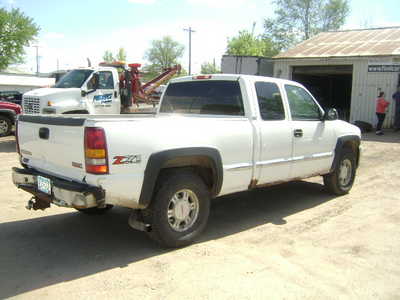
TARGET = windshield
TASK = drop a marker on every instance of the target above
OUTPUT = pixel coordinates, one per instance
(73, 79)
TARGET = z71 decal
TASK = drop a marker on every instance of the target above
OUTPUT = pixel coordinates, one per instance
(128, 159)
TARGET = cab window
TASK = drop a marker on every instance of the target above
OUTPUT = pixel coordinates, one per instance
(106, 80)
(269, 101)
(302, 105)
(203, 97)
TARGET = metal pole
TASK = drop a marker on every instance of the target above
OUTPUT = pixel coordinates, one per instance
(190, 51)
(37, 60)
(190, 48)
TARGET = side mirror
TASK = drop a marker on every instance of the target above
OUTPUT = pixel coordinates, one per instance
(331, 115)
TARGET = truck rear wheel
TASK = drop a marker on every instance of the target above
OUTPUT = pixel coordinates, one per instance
(5, 126)
(179, 210)
(341, 180)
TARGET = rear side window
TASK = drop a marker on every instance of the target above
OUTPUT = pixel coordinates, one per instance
(203, 97)
(269, 101)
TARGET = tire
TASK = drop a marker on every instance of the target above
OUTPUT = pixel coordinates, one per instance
(179, 209)
(5, 126)
(95, 210)
(341, 180)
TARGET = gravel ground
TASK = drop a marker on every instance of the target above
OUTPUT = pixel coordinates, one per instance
(292, 241)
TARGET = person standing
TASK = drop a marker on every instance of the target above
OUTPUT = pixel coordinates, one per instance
(396, 99)
(381, 106)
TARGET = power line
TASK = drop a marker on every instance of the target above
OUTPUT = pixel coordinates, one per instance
(190, 30)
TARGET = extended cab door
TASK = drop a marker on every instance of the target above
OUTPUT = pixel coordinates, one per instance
(313, 138)
(105, 100)
(274, 161)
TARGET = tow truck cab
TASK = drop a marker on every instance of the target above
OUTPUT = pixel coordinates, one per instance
(80, 91)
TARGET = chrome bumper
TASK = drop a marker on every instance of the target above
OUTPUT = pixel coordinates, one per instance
(63, 193)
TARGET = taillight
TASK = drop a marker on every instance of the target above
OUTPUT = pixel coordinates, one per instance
(96, 159)
(16, 137)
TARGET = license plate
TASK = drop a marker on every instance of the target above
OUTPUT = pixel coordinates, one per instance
(44, 184)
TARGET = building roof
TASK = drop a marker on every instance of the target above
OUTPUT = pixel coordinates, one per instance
(361, 42)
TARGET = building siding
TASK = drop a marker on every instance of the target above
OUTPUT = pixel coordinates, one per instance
(365, 85)
(249, 65)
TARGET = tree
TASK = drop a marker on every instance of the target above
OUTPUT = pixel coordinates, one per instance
(121, 55)
(298, 20)
(248, 44)
(108, 56)
(209, 68)
(164, 53)
(16, 31)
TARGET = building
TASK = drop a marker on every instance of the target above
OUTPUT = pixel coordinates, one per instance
(347, 69)
(249, 65)
(22, 82)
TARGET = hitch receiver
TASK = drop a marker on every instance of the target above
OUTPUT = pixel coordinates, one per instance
(37, 203)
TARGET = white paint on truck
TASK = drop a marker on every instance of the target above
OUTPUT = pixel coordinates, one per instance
(261, 131)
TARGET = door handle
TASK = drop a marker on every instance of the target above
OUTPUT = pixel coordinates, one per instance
(298, 132)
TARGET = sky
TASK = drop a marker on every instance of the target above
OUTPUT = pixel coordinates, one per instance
(74, 30)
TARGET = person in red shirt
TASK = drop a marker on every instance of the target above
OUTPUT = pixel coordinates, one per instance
(381, 106)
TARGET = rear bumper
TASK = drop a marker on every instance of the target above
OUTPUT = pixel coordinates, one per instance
(63, 193)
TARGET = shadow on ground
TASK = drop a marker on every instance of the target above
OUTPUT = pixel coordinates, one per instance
(389, 136)
(7, 144)
(40, 252)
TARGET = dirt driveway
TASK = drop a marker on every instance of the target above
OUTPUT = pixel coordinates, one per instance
(287, 242)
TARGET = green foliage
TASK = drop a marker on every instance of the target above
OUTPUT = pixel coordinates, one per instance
(298, 20)
(121, 55)
(248, 44)
(16, 31)
(209, 68)
(108, 56)
(164, 53)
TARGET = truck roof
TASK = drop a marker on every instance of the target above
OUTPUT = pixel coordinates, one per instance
(229, 77)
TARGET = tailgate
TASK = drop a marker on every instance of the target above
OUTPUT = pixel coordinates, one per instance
(54, 145)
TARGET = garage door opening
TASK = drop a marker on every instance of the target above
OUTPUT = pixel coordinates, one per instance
(330, 85)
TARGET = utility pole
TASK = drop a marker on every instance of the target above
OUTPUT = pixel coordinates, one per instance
(37, 59)
(190, 30)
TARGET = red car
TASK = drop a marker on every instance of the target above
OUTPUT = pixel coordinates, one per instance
(8, 113)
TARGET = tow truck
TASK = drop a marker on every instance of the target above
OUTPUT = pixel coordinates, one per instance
(110, 88)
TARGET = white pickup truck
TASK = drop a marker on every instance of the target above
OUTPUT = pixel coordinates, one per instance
(211, 136)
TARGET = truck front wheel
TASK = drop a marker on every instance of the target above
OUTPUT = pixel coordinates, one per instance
(5, 126)
(179, 210)
(341, 180)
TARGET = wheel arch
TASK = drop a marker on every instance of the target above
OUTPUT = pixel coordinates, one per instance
(10, 114)
(76, 112)
(351, 142)
(205, 161)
